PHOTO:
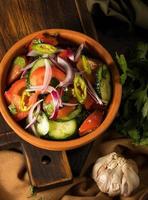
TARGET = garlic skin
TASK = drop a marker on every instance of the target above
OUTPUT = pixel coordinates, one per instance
(116, 175)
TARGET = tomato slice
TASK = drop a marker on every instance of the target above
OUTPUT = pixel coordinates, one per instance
(19, 63)
(57, 73)
(65, 111)
(37, 76)
(91, 122)
(13, 96)
(16, 88)
(65, 53)
(89, 102)
(29, 102)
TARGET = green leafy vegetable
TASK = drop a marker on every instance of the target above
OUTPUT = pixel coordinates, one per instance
(133, 114)
(123, 66)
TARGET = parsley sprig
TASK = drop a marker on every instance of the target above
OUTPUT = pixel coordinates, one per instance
(133, 114)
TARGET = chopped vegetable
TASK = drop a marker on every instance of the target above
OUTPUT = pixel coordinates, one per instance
(103, 84)
(62, 130)
(42, 124)
(89, 102)
(18, 63)
(44, 49)
(80, 89)
(12, 109)
(23, 106)
(91, 122)
(86, 65)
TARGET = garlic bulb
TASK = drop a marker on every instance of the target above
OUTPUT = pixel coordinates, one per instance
(116, 175)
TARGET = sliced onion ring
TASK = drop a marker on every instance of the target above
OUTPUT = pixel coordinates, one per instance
(69, 72)
(93, 93)
(55, 99)
(48, 75)
(32, 118)
(33, 53)
(25, 69)
(69, 104)
(56, 63)
(78, 52)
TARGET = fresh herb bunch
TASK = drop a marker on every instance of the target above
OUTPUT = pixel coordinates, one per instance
(133, 114)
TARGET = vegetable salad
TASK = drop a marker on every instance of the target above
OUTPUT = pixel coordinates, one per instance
(57, 89)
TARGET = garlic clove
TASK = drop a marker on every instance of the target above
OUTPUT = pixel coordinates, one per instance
(116, 175)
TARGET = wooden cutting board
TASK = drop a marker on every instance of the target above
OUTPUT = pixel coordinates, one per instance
(17, 19)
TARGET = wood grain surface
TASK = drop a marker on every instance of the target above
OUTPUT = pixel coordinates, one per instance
(19, 18)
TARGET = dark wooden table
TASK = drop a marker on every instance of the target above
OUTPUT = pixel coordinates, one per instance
(19, 18)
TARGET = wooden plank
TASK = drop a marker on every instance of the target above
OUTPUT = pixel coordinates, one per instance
(85, 19)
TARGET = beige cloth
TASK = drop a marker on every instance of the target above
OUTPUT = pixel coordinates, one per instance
(14, 182)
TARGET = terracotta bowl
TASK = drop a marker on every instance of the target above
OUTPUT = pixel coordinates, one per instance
(77, 38)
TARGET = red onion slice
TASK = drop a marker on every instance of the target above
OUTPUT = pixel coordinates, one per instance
(55, 63)
(48, 75)
(35, 88)
(55, 98)
(69, 104)
(47, 79)
(33, 53)
(93, 93)
(32, 118)
(78, 52)
(71, 55)
(25, 69)
(50, 89)
(68, 68)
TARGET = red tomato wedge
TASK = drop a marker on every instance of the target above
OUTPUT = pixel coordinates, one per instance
(91, 122)
(89, 102)
(65, 111)
(16, 88)
(62, 112)
(15, 71)
(58, 74)
(65, 53)
(13, 96)
(37, 76)
(48, 99)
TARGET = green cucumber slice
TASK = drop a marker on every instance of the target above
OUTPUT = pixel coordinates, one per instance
(42, 124)
(103, 83)
(62, 130)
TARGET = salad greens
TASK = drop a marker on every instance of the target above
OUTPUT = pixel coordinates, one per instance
(133, 114)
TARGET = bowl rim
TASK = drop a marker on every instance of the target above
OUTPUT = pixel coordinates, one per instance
(73, 143)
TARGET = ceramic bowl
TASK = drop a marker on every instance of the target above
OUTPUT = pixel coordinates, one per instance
(77, 38)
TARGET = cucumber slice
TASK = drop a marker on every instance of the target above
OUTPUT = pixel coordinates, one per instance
(73, 114)
(42, 124)
(62, 130)
(103, 83)
(39, 63)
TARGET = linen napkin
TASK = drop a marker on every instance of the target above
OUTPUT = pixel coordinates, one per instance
(14, 181)
(131, 12)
